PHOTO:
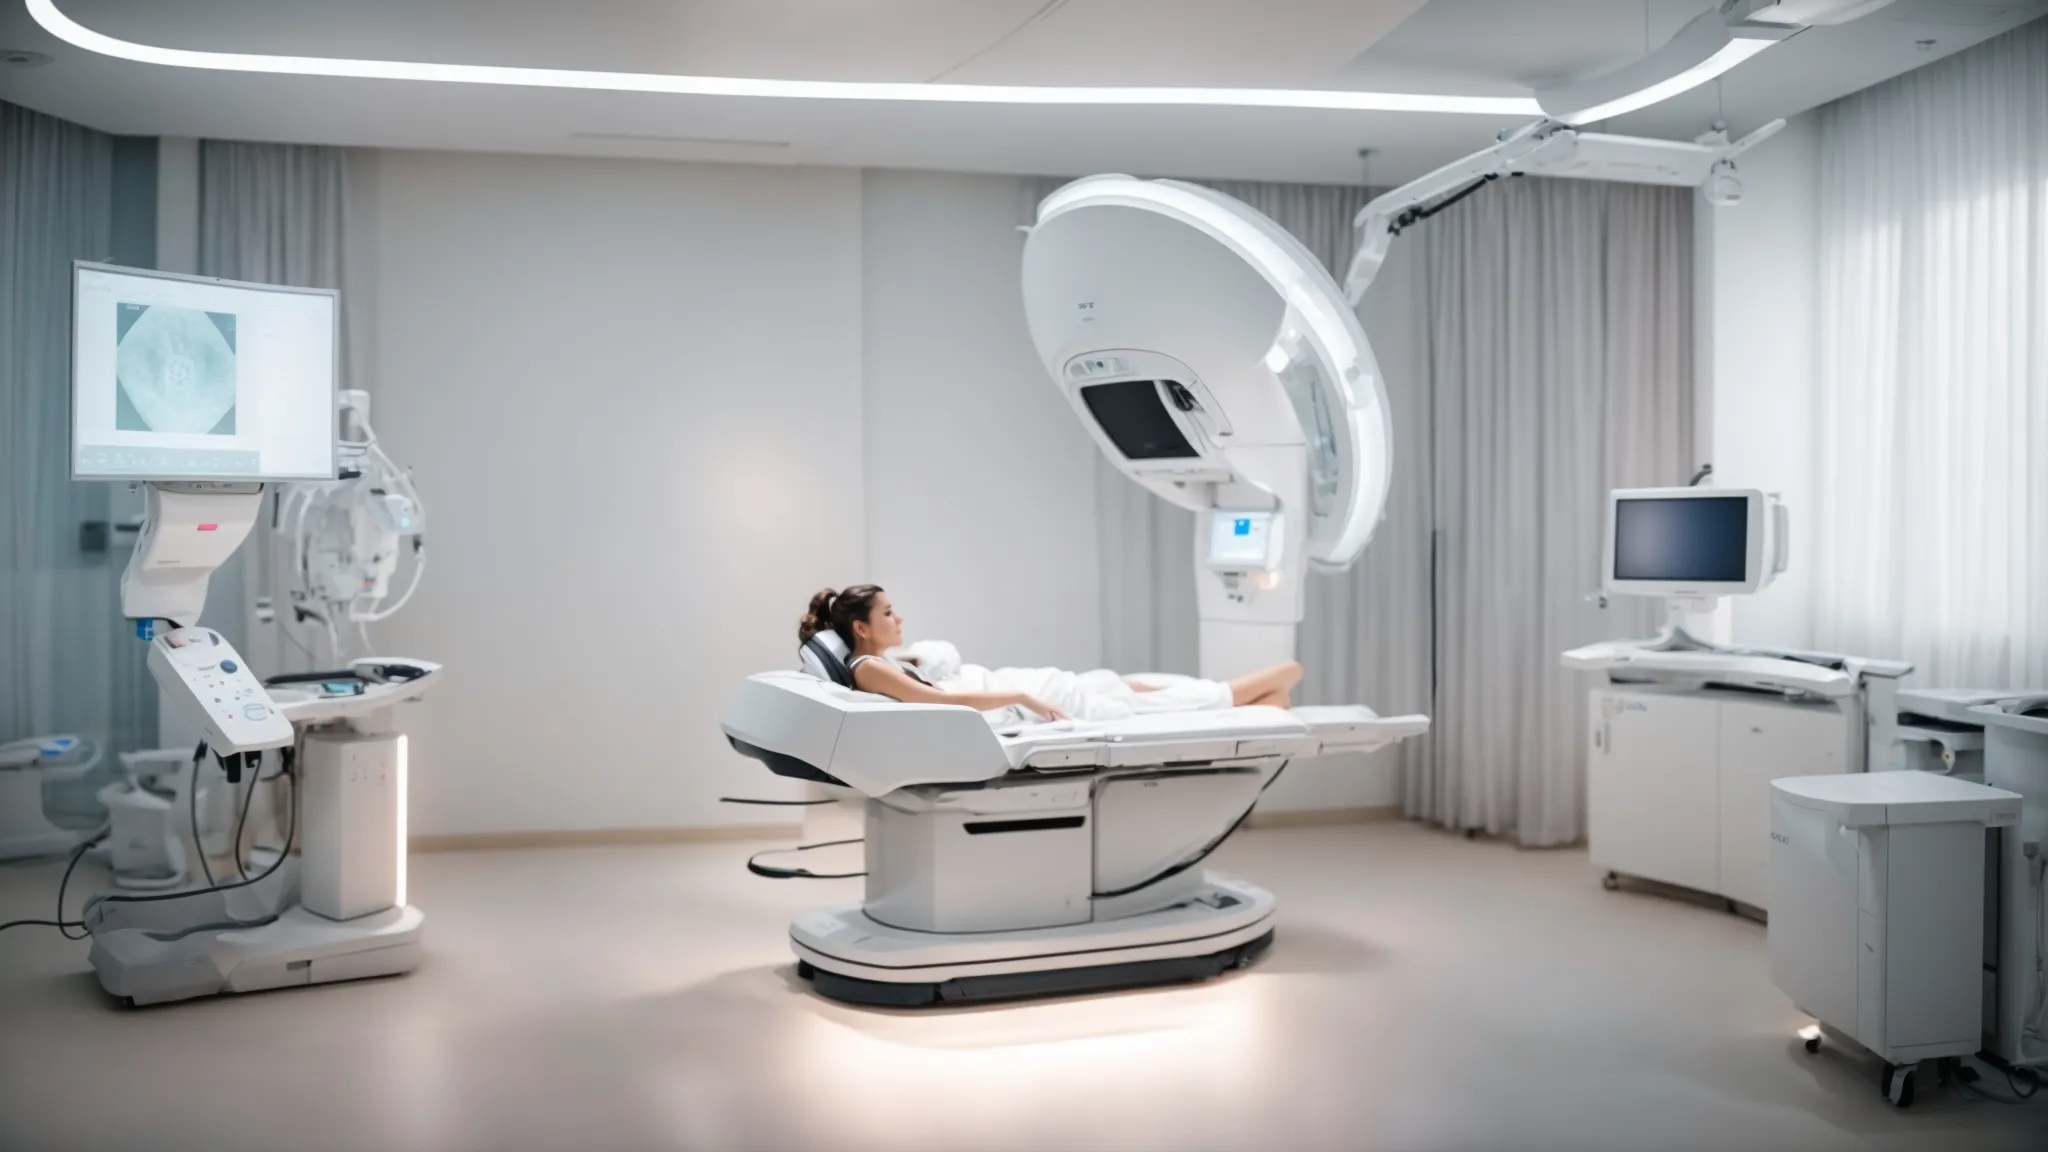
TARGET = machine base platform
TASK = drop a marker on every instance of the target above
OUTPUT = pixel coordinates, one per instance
(295, 949)
(1222, 924)
(1020, 985)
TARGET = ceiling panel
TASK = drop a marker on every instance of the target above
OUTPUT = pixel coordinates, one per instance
(1458, 46)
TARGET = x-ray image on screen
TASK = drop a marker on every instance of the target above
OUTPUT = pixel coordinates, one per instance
(175, 370)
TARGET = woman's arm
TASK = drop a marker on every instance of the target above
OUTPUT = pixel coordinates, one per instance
(885, 679)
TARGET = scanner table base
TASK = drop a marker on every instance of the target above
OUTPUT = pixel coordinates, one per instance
(852, 957)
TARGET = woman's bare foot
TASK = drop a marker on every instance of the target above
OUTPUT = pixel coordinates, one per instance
(1267, 686)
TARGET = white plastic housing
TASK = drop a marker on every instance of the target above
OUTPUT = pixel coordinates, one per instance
(189, 528)
(1877, 906)
(354, 814)
(1258, 361)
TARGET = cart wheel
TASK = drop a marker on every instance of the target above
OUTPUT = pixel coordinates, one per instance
(1812, 1045)
(1610, 882)
(1897, 1084)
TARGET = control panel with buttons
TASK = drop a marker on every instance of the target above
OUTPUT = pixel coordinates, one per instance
(206, 676)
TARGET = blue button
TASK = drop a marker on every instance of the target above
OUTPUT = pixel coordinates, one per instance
(227, 665)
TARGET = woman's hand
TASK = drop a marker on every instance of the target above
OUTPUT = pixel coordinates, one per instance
(1034, 704)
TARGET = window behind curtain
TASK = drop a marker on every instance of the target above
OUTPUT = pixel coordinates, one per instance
(1931, 541)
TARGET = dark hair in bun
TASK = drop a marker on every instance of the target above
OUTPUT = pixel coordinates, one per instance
(836, 612)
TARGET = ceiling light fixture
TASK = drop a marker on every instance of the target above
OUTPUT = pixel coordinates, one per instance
(1702, 50)
(56, 23)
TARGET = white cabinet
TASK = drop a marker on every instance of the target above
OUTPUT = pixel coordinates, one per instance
(1650, 787)
(1762, 742)
(1678, 781)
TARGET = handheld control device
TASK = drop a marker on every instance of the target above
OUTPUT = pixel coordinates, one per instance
(237, 713)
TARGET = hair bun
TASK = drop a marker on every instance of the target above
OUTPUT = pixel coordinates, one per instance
(818, 617)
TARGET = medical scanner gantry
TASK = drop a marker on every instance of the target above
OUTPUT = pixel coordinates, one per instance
(1216, 363)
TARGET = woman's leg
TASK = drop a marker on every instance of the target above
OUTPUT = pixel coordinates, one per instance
(1267, 686)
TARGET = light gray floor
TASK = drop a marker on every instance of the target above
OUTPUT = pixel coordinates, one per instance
(1424, 992)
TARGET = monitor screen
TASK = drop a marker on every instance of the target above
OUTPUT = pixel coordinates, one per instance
(1240, 539)
(185, 378)
(1702, 540)
(1136, 420)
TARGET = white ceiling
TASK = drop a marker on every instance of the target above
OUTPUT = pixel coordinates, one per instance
(1464, 47)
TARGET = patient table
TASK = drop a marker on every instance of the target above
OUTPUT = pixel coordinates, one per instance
(1054, 858)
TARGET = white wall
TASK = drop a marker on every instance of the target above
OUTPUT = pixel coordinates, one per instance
(1758, 268)
(631, 393)
(980, 481)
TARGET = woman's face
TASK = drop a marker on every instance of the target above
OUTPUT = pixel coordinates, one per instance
(883, 628)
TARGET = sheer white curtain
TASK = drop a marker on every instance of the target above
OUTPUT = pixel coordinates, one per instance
(60, 625)
(1561, 349)
(1931, 539)
(280, 214)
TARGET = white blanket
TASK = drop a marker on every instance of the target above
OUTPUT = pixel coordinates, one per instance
(1095, 695)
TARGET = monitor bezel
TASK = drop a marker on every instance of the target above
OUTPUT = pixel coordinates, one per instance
(78, 267)
(1754, 545)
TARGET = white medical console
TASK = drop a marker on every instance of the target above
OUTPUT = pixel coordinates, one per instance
(1678, 780)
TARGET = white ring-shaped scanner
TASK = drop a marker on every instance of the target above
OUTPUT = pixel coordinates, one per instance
(1203, 346)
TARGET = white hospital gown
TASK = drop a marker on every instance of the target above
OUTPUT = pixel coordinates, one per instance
(1099, 694)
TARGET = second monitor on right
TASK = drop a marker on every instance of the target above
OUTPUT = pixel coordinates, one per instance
(1691, 542)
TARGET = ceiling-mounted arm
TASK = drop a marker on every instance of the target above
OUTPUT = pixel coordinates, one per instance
(1382, 220)
(1540, 148)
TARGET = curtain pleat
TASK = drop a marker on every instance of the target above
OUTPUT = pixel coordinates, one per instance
(1930, 542)
(61, 633)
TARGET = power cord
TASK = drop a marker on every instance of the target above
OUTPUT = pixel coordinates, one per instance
(60, 923)
(774, 873)
(192, 806)
(290, 772)
(242, 818)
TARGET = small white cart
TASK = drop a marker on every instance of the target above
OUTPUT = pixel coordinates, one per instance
(1878, 910)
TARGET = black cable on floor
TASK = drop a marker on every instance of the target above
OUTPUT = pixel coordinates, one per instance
(775, 803)
(60, 923)
(774, 873)
(43, 924)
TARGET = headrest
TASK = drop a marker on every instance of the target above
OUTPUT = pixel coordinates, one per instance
(824, 656)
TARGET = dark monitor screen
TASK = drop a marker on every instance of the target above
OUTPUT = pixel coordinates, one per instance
(1695, 540)
(1136, 420)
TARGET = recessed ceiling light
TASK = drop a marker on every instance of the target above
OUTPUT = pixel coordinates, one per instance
(1702, 50)
(56, 23)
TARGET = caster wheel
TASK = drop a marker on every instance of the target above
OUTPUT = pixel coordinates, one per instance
(1610, 882)
(804, 971)
(1896, 1082)
(1812, 1045)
